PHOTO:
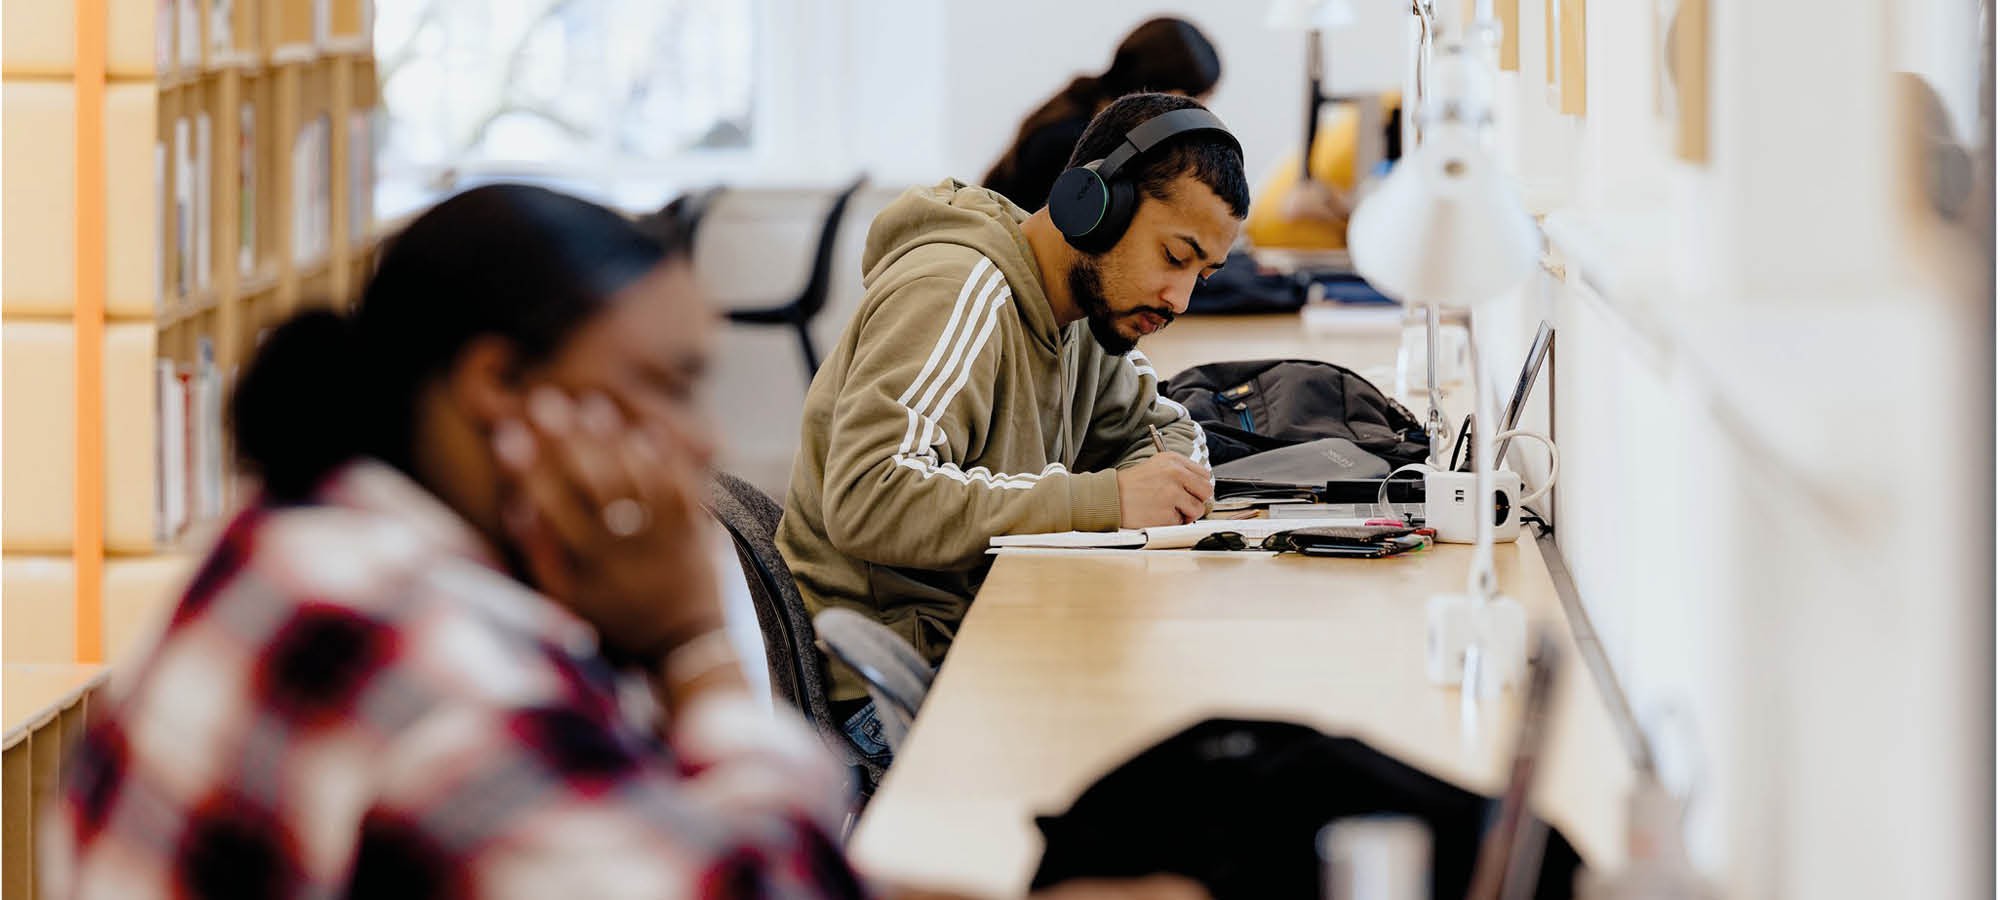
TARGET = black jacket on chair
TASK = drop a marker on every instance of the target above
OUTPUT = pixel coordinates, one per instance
(1238, 806)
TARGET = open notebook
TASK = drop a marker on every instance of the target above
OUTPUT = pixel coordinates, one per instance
(1166, 537)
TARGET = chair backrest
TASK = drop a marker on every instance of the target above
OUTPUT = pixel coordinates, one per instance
(896, 676)
(684, 213)
(820, 282)
(790, 652)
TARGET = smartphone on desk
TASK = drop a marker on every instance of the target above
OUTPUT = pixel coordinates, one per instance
(1358, 543)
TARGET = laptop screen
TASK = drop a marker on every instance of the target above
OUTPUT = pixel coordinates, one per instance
(1523, 386)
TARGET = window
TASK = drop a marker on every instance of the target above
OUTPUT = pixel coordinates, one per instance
(591, 90)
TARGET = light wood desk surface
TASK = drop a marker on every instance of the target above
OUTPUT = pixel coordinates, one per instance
(1068, 664)
(30, 692)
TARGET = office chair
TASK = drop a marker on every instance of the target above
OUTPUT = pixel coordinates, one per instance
(751, 519)
(799, 313)
(897, 677)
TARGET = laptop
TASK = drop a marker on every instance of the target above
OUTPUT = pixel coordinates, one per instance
(1531, 370)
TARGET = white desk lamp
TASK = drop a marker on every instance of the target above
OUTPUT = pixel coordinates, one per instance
(1314, 15)
(1447, 230)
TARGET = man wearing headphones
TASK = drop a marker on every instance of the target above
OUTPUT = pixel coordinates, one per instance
(989, 383)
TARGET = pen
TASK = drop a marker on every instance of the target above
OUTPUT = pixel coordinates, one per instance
(1160, 444)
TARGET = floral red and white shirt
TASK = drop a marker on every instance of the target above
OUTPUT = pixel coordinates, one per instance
(354, 699)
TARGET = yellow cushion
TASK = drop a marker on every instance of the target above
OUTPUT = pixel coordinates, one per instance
(130, 29)
(38, 37)
(133, 224)
(37, 199)
(138, 595)
(1333, 163)
(129, 410)
(38, 436)
(37, 608)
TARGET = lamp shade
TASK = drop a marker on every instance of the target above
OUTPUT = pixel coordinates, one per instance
(1445, 227)
(1310, 14)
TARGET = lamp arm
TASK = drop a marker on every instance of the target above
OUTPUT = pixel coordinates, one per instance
(1482, 582)
(1426, 39)
(1315, 75)
(1434, 420)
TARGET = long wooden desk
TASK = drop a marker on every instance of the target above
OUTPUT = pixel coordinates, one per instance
(44, 707)
(1068, 664)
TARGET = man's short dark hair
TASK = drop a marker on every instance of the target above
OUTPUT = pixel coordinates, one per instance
(1211, 159)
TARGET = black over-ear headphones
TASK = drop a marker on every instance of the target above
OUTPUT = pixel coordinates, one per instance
(1092, 204)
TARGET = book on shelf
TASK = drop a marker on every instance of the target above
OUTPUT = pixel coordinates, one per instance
(209, 464)
(230, 482)
(301, 193)
(311, 185)
(170, 457)
(163, 35)
(361, 177)
(160, 246)
(246, 189)
(183, 208)
(189, 426)
(190, 32)
(221, 26)
(322, 22)
(322, 211)
(204, 202)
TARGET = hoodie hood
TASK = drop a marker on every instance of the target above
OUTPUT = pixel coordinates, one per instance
(953, 212)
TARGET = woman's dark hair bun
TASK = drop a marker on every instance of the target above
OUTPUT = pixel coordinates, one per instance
(516, 262)
(291, 415)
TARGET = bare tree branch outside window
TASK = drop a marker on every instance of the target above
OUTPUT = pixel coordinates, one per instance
(583, 86)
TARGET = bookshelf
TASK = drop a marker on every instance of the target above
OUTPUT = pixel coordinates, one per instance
(205, 169)
(185, 173)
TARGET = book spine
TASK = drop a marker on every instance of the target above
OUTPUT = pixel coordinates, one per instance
(246, 184)
(204, 201)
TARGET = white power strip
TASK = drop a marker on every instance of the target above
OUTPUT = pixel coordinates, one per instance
(1449, 506)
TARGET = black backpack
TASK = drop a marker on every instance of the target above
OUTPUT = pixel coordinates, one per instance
(1236, 805)
(1256, 405)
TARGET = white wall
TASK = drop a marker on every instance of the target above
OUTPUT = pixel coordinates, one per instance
(1740, 345)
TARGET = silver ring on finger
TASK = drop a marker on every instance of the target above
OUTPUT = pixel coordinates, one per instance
(625, 517)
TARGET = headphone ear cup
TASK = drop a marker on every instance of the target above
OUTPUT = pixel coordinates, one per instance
(1078, 203)
(1124, 201)
(1120, 201)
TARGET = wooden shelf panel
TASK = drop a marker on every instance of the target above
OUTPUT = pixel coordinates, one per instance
(258, 282)
(187, 308)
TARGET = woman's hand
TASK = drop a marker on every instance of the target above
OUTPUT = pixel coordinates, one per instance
(609, 522)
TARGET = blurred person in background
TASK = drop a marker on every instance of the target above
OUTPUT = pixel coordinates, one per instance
(1164, 55)
(467, 640)
(1304, 202)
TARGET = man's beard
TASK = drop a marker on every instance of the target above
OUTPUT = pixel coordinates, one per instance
(1086, 287)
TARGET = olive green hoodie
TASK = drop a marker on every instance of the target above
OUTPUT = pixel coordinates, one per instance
(954, 410)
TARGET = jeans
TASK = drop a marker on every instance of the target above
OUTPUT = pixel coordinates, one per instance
(864, 731)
